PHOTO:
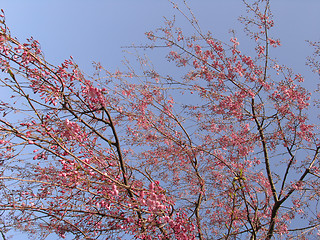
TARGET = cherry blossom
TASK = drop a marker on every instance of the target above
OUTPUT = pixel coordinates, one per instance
(223, 149)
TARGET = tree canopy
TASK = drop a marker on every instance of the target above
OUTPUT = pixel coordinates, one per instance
(226, 149)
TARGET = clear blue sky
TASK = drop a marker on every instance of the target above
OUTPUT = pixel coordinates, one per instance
(96, 30)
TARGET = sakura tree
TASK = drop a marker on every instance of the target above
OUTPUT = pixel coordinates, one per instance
(225, 150)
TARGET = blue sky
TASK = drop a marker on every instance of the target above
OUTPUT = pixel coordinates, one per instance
(96, 30)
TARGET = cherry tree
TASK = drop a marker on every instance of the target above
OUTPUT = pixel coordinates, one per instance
(225, 150)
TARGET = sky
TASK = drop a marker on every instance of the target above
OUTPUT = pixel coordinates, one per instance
(97, 30)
